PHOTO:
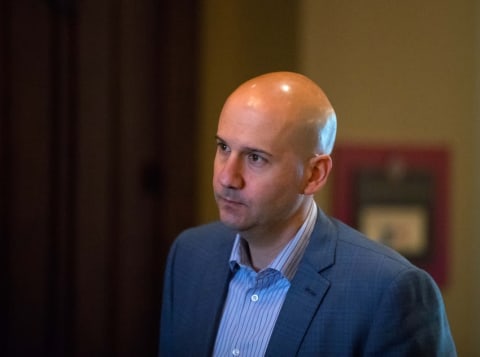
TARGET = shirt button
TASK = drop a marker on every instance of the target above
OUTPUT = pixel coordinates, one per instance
(254, 297)
(236, 352)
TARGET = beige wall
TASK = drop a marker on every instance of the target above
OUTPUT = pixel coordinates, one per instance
(396, 72)
(404, 72)
(476, 212)
(240, 39)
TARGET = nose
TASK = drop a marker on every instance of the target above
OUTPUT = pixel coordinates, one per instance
(229, 171)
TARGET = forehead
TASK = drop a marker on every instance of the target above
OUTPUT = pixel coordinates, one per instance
(254, 127)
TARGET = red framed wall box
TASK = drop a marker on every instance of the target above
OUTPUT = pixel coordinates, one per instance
(398, 196)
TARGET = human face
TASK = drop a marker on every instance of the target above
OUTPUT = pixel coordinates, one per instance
(258, 177)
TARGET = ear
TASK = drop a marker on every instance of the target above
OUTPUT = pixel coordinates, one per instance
(318, 169)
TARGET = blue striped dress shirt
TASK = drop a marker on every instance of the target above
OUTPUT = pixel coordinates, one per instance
(254, 299)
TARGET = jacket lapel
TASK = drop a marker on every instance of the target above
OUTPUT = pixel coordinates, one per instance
(208, 312)
(306, 292)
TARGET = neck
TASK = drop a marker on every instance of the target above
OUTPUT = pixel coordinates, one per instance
(262, 255)
(264, 246)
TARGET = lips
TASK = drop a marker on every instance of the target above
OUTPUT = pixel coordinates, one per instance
(228, 200)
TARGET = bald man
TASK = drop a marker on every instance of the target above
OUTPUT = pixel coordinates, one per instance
(276, 276)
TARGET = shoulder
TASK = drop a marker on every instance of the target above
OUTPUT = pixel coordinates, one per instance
(343, 250)
(350, 240)
(350, 261)
(213, 232)
(373, 265)
(204, 240)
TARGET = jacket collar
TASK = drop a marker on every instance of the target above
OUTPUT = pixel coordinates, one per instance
(303, 299)
(209, 306)
(306, 292)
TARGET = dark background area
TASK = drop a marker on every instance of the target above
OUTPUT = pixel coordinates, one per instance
(97, 132)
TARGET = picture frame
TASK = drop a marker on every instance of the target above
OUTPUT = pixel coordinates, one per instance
(399, 196)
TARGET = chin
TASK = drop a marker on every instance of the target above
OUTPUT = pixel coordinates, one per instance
(233, 224)
(230, 224)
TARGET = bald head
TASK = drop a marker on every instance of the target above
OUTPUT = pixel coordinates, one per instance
(293, 103)
(274, 137)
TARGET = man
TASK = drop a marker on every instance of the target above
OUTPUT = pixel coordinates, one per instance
(276, 276)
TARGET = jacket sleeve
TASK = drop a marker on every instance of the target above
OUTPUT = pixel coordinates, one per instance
(410, 319)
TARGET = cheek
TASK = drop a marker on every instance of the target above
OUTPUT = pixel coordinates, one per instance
(278, 189)
(216, 168)
(291, 179)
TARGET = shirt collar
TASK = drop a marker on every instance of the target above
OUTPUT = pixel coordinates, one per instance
(286, 262)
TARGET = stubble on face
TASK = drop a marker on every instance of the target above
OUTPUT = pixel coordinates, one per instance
(260, 201)
(279, 113)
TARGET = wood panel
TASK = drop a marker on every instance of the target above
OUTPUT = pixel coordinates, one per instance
(97, 101)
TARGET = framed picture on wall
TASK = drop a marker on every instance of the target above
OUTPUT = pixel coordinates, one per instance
(402, 227)
(397, 196)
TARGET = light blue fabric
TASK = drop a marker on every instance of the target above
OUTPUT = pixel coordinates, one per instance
(255, 299)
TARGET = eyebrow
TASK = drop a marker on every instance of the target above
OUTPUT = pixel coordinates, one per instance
(247, 149)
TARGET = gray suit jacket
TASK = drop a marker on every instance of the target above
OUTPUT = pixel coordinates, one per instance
(349, 297)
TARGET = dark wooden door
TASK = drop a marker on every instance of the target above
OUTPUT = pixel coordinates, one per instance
(97, 123)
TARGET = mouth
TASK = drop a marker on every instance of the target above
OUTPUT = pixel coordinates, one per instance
(228, 200)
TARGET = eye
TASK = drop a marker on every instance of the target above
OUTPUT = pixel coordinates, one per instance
(256, 159)
(221, 146)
